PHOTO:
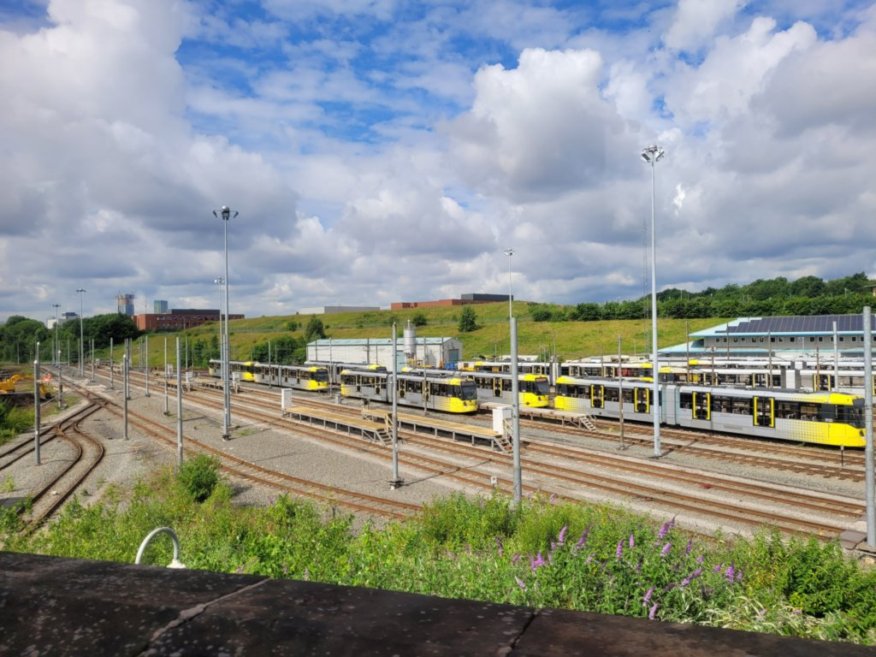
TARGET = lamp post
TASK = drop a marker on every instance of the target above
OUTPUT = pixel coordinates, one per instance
(653, 154)
(81, 292)
(220, 282)
(56, 346)
(515, 396)
(225, 214)
(509, 252)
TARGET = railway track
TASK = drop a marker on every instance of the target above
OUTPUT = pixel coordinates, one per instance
(678, 490)
(88, 452)
(277, 480)
(564, 470)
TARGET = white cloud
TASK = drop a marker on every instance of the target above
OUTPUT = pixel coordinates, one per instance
(695, 22)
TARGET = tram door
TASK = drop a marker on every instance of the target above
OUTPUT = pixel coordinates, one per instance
(597, 396)
(702, 405)
(824, 382)
(764, 412)
(642, 400)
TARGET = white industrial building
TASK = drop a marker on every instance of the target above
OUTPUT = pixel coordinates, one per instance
(410, 350)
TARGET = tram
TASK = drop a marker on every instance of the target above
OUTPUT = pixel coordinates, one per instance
(449, 394)
(824, 418)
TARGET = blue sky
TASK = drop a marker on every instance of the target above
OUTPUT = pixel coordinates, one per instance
(381, 151)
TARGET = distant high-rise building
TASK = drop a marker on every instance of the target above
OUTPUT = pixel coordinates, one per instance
(125, 303)
(159, 306)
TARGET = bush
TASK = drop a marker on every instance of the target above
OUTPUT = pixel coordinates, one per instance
(199, 476)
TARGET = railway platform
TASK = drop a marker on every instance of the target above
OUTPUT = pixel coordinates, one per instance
(75, 607)
(374, 423)
(565, 418)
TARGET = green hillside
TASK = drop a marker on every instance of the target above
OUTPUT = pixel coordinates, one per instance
(568, 339)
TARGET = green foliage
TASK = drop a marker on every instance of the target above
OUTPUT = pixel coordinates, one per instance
(292, 325)
(14, 420)
(458, 521)
(540, 554)
(285, 350)
(419, 319)
(315, 330)
(199, 476)
(468, 320)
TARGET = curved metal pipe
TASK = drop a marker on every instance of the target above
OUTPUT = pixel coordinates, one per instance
(174, 562)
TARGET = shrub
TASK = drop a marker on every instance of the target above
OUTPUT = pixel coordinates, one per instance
(199, 476)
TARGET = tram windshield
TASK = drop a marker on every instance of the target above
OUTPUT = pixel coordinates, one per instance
(467, 391)
(320, 375)
(853, 415)
(542, 387)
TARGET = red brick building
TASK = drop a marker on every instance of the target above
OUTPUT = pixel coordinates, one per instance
(178, 319)
(465, 299)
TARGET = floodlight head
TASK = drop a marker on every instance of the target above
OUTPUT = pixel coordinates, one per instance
(509, 252)
(652, 154)
(80, 290)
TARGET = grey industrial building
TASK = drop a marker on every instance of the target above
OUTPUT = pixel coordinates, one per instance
(758, 336)
(428, 352)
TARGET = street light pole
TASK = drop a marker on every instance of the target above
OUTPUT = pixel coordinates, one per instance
(221, 282)
(225, 215)
(56, 346)
(509, 252)
(653, 154)
(81, 292)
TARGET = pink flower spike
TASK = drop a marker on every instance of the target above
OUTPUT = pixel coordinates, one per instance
(652, 615)
(632, 541)
(665, 551)
(619, 552)
(648, 595)
(520, 583)
(561, 537)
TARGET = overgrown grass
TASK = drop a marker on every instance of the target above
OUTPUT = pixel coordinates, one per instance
(543, 555)
(13, 421)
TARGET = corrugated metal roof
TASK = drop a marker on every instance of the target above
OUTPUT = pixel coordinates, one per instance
(789, 325)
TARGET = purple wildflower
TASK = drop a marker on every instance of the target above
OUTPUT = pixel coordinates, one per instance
(632, 541)
(536, 562)
(665, 551)
(700, 559)
(687, 580)
(619, 552)
(499, 547)
(561, 537)
(583, 539)
(553, 547)
(652, 615)
(665, 527)
(520, 583)
(648, 595)
(730, 573)
(738, 575)
(718, 567)
(589, 558)
(515, 558)
(689, 547)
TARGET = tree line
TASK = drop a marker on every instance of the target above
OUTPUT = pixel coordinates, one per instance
(809, 295)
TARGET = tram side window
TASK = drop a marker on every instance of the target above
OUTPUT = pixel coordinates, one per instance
(628, 395)
(809, 411)
(722, 404)
(611, 394)
(740, 406)
(685, 400)
(788, 410)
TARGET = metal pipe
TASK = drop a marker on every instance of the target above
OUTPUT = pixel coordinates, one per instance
(179, 410)
(175, 562)
(396, 480)
(125, 390)
(868, 427)
(146, 351)
(515, 416)
(36, 405)
(651, 155)
(166, 410)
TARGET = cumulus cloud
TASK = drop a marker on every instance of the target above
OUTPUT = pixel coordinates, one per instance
(378, 152)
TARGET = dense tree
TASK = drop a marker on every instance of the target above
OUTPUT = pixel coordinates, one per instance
(468, 320)
(315, 330)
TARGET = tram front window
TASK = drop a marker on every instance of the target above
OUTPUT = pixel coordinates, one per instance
(853, 415)
(467, 391)
(542, 387)
(320, 375)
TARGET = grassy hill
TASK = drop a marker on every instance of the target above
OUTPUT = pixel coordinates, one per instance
(566, 339)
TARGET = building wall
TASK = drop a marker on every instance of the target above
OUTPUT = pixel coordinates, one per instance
(177, 321)
(465, 299)
(159, 306)
(379, 352)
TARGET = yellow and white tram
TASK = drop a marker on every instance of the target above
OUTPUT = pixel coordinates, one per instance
(449, 394)
(825, 418)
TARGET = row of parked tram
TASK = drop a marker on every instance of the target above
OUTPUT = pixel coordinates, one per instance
(827, 418)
